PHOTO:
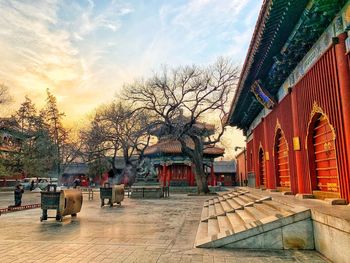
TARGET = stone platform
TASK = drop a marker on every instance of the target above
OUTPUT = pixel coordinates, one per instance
(330, 223)
(240, 219)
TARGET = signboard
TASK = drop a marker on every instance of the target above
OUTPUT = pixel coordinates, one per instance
(262, 95)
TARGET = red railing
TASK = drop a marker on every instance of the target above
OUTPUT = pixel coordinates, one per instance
(18, 208)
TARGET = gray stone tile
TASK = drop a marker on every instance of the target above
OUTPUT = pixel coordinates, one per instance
(140, 231)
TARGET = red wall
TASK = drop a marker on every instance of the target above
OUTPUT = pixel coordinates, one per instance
(241, 168)
(250, 156)
(321, 85)
(258, 141)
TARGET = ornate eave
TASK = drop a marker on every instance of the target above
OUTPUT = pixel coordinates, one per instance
(285, 32)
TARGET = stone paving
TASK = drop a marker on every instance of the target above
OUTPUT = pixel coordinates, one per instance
(137, 231)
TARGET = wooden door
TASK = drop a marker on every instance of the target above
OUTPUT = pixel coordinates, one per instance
(262, 168)
(282, 165)
(325, 156)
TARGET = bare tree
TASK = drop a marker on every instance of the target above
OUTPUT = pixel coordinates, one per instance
(118, 131)
(180, 100)
(4, 94)
(94, 151)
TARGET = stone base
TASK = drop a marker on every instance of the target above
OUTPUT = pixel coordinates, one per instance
(146, 195)
(332, 237)
(304, 196)
(287, 193)
(147, 191)
(336, 201)
(323, 195)
(298, 235)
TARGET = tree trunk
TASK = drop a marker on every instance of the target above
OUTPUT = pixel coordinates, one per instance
(201, 178)
(196, 156)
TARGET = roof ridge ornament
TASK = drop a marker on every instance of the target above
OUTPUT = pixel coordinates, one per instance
(262, 95)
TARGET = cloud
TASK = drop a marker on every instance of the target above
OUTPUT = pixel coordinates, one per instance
(45, 44)
(85, 50)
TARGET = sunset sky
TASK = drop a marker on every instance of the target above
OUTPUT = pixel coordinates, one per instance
(84, 51)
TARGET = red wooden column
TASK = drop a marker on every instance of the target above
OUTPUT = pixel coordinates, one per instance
(254, 165)
(270, 182)
(164, 174)
(189, 175)
(160, 169)
(212, 174)
(170, 172)
(300, 180)
(344, 85)
(192, 175)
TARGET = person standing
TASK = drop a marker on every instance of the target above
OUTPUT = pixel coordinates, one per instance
(18, 195)
(32, 185)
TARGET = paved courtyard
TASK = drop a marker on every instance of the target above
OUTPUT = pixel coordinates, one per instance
(138, 231)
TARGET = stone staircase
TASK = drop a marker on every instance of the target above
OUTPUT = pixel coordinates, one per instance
(240, 219)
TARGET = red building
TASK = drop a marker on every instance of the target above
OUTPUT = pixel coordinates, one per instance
(293, 98)
(225, 172)
(174, 168)
(241, 168)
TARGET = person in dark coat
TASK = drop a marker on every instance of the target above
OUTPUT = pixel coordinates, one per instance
(32, 185)
(76, 183)
(18, 195)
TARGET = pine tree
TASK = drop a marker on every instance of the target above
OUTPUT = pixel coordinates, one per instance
(53, 119)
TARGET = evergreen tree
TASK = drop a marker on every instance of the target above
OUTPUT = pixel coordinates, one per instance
(59, 135)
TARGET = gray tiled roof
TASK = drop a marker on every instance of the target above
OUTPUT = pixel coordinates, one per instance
(225, 166)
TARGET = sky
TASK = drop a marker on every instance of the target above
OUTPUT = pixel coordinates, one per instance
(84, 51)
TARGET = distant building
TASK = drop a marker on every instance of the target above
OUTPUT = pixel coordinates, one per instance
(242, 168)
(225, 172)
(80, 170)
(176, 169)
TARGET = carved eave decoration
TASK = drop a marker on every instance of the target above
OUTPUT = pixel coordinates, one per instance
(262, 95)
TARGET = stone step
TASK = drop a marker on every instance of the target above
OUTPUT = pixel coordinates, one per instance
(226, 206)
(242, 191)
(211, 212)
(245, 199)
(206, 203)
(246, 216)
(240, 201)
(266, 209)
(216, 200)
(227, 196)
(253, 197)
(218, 209)
(224, 223)
(282, 208)
(205, 213)
(232, 195)
(255, 213)
(202, 231)
(243, 220)
(213, 227)
(234, 219)
(234, 204)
